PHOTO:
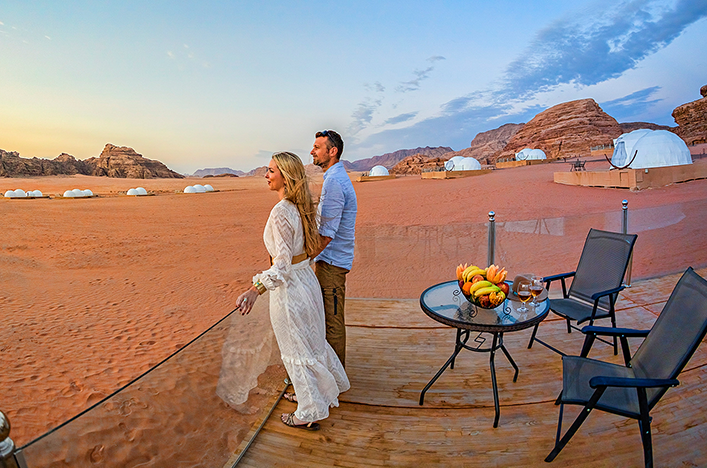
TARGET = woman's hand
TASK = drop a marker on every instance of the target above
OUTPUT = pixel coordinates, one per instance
(246, 300)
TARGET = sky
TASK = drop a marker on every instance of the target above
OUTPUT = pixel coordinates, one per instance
(228, 83)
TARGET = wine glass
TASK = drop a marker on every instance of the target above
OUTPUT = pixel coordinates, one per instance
(524, 295)
(536, 288)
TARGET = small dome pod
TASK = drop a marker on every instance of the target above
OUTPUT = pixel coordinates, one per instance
(208, 188)
(19, 193)
(378, 171)
(37, 193)
(10, 194)
(199, 188)
(189, 189)
(87, 193)
(133, 191)
(141, 191)
(78, 192)
(69, 194)
(468, 164)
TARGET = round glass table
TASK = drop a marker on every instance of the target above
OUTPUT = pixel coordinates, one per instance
(446, 304)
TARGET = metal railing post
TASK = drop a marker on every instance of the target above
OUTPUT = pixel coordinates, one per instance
(492, 237)
(7, 446)
(624, 229)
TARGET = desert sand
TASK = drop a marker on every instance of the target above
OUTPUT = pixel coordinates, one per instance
(96, 291)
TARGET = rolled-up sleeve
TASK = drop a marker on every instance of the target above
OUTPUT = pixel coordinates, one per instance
(332, 206)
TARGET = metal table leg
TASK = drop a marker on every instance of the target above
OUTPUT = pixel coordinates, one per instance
(458, 346)
(496, 405)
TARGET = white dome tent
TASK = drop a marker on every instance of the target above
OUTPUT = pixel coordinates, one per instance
(655, 148)
(378, 171)
(189, 189)
(468, 164)
(451, 164)
(522, 155)
(623, 146)
(535, 154)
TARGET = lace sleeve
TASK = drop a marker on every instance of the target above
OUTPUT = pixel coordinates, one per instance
(283, 234)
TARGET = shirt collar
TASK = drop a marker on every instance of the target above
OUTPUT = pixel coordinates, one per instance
(333, 169)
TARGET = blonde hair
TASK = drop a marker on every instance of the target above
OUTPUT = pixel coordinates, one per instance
(297, 191)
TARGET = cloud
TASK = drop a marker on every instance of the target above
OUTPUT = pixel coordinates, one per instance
(420, 75)
(363, 114)
(401, 118)
(48, 37)
(171, 55)
(591, 50)
(632, 104)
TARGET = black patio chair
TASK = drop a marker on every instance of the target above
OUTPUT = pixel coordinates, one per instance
(596, 283)
(633, 390)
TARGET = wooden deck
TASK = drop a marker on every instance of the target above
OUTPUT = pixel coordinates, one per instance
(394, 350)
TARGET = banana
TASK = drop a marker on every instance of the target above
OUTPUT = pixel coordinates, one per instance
(479, 285)
(486, 290)
(467, 270)
(468, 274)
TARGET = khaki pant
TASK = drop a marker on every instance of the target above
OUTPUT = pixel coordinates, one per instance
(332, 280)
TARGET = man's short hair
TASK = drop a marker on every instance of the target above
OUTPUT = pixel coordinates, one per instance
(333, 140)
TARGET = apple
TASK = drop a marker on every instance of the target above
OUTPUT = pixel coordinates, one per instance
(477, 278)
(484, 301)
(504, 287)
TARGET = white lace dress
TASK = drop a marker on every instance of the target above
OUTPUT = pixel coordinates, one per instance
(297, 317)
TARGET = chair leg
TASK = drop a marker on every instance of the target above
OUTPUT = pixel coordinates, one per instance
(559, 445)
(569, 326)
(644, 424)
(532, 337)
(613, 324)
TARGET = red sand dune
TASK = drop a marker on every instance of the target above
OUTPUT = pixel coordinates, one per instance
(96, 291)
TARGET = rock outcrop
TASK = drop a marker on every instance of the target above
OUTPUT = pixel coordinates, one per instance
(217, 171)
(415, 164)
(566, 130)
(114, 162)
(389, 160)
(125, 162)
(628, 127)
(487, 145)
(692, 120)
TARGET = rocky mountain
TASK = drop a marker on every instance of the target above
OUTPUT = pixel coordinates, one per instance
(692, 120)
(628, 127)
(114, 161)
(389, 160)
(125, 162)
(214, 171)
(486, 145)
(566, 130)
(416, 163)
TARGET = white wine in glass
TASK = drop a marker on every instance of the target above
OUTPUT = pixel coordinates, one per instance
(536, 288)
(524, 295)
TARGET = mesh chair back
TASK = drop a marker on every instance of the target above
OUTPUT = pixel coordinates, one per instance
(602, 265)
(676, 334)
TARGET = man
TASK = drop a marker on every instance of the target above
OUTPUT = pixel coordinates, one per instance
(337, 211)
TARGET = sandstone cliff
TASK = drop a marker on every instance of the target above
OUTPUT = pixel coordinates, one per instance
(487, 145)
(217, 171)
(114, 162)
(628, 127)
(692, 120)
(125, 162)
(566, 130)
(416, 163)
(389, 160)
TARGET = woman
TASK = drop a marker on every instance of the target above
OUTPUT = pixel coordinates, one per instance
(296, 306)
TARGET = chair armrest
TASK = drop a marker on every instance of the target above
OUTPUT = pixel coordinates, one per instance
(608, 292)
(603, 381)
(549, 279)
(610, 331)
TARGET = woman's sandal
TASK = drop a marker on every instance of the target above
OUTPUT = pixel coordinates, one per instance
(289, 420)
(290, 396)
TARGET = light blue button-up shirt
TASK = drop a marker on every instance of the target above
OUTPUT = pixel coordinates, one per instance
(337, 214)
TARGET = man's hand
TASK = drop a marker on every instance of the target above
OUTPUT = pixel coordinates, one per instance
(323, 242)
